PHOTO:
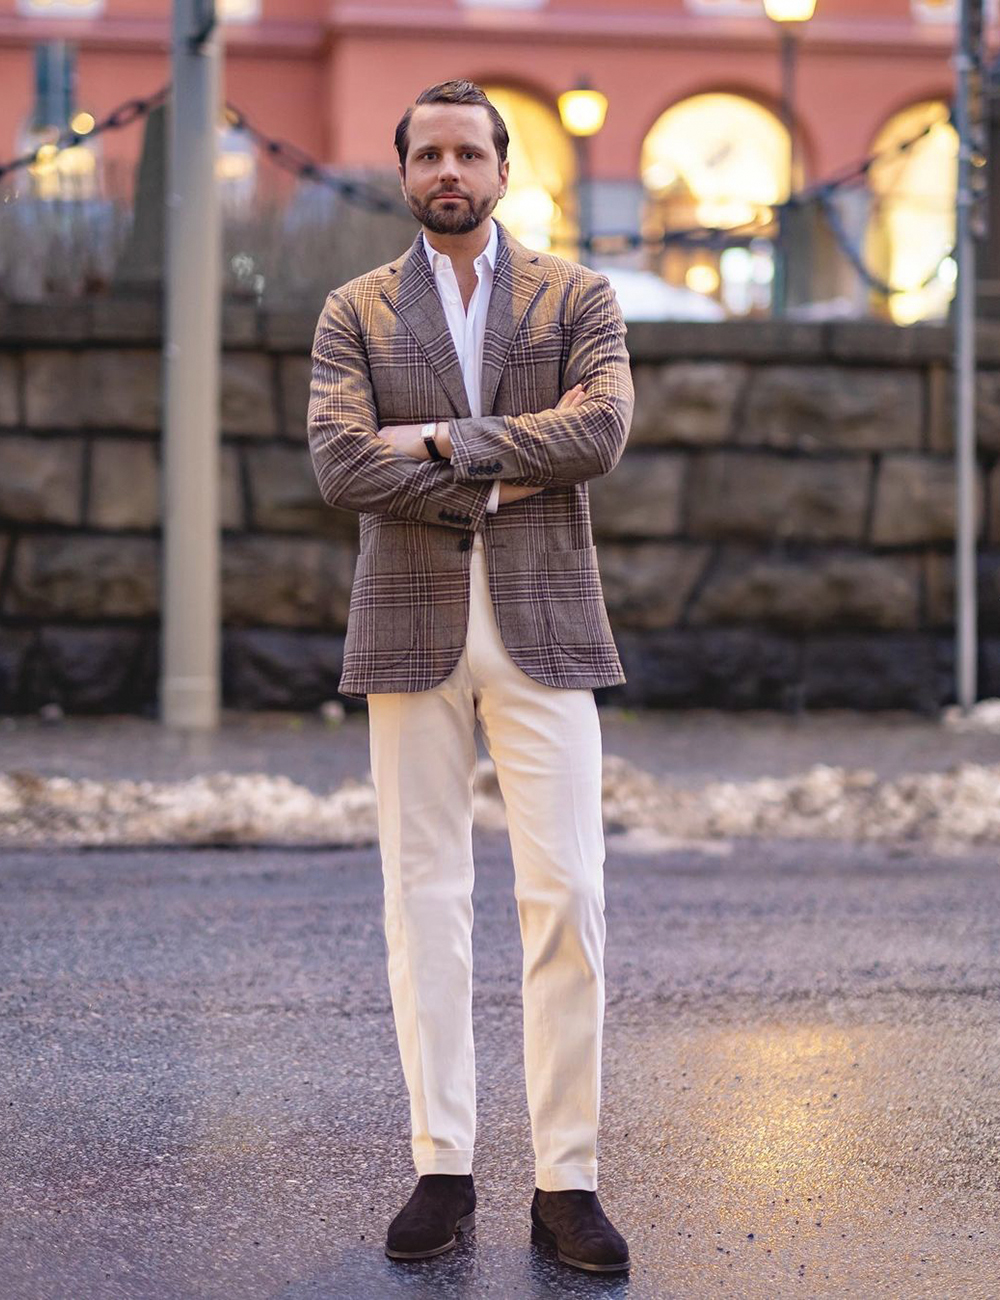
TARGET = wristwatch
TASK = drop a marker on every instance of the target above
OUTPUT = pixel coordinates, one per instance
(427, 432)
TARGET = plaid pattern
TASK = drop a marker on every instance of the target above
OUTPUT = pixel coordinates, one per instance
(383, 354)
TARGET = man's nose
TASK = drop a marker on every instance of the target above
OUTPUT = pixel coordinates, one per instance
(449, 169)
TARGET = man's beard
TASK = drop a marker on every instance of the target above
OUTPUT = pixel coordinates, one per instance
(457, 220)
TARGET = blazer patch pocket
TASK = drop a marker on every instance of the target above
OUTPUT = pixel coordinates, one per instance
(381, 626)
(574, 601)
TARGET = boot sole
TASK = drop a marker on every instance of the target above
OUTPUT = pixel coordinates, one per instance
(542, 1237)
(464, 1224)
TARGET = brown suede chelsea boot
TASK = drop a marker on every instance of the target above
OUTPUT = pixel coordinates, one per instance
(573, 1222)
(440, 1206)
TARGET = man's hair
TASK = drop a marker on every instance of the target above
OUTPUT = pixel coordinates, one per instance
(453, 92)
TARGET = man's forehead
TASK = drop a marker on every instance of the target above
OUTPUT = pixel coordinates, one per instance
(451, 123)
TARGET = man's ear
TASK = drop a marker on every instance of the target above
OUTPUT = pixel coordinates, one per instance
(402, 178)
(504, 175)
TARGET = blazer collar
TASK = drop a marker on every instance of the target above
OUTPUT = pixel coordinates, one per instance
(410, 290)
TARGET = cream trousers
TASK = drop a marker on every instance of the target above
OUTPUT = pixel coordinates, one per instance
(546, 745)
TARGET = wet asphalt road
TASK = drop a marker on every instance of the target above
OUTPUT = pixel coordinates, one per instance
(201, 1095)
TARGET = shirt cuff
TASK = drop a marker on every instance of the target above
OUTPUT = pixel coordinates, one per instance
(493, 500)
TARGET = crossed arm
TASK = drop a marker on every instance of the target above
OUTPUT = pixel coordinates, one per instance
(360, 467)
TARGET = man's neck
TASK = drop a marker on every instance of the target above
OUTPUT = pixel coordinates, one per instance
(462, 249)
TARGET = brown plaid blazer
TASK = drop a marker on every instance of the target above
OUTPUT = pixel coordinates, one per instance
(383, 354)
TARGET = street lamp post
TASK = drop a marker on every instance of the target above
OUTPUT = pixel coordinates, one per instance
(789, 15)
(582, 111)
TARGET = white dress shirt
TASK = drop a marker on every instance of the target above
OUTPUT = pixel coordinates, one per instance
(468, 328)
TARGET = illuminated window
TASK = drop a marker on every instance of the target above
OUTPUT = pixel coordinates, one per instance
(60, 8)
(539, 207)
(946, 11)
(501, 4)
(721, 161)
(912, 227)
(238, 11)
(727, 8)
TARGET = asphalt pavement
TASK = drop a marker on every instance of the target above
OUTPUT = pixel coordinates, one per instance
(201, 1093)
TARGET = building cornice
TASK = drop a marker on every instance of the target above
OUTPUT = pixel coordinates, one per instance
(559, 27)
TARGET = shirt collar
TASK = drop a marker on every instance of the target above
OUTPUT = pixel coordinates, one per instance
(489, 252)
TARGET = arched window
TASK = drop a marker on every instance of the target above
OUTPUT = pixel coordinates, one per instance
(912, 226)
(539, 207)
(717, 160)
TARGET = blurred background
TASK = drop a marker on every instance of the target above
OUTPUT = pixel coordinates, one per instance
(771, 186)
(704, 117)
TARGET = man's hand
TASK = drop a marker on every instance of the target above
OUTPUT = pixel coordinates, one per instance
(407, 439)
(516, 492)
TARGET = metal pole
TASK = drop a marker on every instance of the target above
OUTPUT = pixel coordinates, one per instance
(788, 55)
(965, 372)
(189, 678)
(586, 199)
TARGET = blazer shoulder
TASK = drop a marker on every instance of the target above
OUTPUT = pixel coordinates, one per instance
(565, 271)
(363, 288)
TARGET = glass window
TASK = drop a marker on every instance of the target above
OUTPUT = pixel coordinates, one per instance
(738, 8)
(539, 207)
(501, 4)
(717, 160)
(60, 8)
(912, 226)
(238, 11)
(946, 11)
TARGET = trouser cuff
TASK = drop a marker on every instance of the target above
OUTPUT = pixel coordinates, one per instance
(563, 1178)
(451, 1161)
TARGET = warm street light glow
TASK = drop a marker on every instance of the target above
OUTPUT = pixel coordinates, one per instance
(790, 11)
(82, 123)
(582, 110)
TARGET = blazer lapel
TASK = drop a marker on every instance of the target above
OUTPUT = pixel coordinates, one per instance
(517, 281)
(411, 292)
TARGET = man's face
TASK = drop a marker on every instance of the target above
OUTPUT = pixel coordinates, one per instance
(452, 181)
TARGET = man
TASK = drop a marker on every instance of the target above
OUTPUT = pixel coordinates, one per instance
(461, 398)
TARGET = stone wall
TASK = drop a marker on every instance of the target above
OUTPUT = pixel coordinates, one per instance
(778, 533)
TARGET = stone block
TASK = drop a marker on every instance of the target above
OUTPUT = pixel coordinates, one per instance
(73, 575)
(689, 402)
(121, 388)
(124, 484)
(761, 497)
(295, 377)
(641, 497)
(939, 578)
(90, 670)
(15, 648)
(646, 585)
(248, 394)
(10, 383)
(53, 389)
(287, 582)
(871, 671)
(823, 589)
(915, 501)
(941, 399)
(831, 408)
(41, 479)
(720, 668)
(269, 668)
(285, 496)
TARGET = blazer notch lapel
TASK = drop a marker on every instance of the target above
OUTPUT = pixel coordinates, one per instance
(412, 294)
(517, 282)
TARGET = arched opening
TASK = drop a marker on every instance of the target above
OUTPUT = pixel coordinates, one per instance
(717, 160)
(539, 208)
(911, 230)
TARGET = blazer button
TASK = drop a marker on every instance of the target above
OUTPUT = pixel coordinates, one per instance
(464, 543)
